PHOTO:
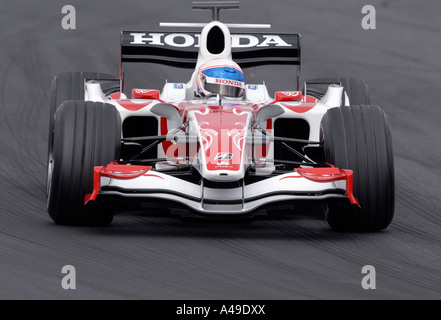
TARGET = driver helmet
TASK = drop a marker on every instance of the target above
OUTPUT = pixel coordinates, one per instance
(220, 76)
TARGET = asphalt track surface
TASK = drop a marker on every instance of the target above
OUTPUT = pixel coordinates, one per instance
(156, 256)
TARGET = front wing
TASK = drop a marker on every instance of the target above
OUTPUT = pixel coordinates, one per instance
(141, 182)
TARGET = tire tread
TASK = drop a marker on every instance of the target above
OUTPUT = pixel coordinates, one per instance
(358, 138)
(87, 134)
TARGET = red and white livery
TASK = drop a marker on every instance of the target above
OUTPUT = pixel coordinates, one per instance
(218, 155)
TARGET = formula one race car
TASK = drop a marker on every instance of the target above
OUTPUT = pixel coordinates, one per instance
(215, 145)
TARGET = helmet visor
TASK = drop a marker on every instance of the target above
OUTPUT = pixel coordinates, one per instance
(223, 87)
(224, 90)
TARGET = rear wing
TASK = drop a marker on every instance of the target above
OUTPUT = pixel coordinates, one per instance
(180, 49)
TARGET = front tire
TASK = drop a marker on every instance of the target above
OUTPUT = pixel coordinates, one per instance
(86, 134)
(359, 138)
